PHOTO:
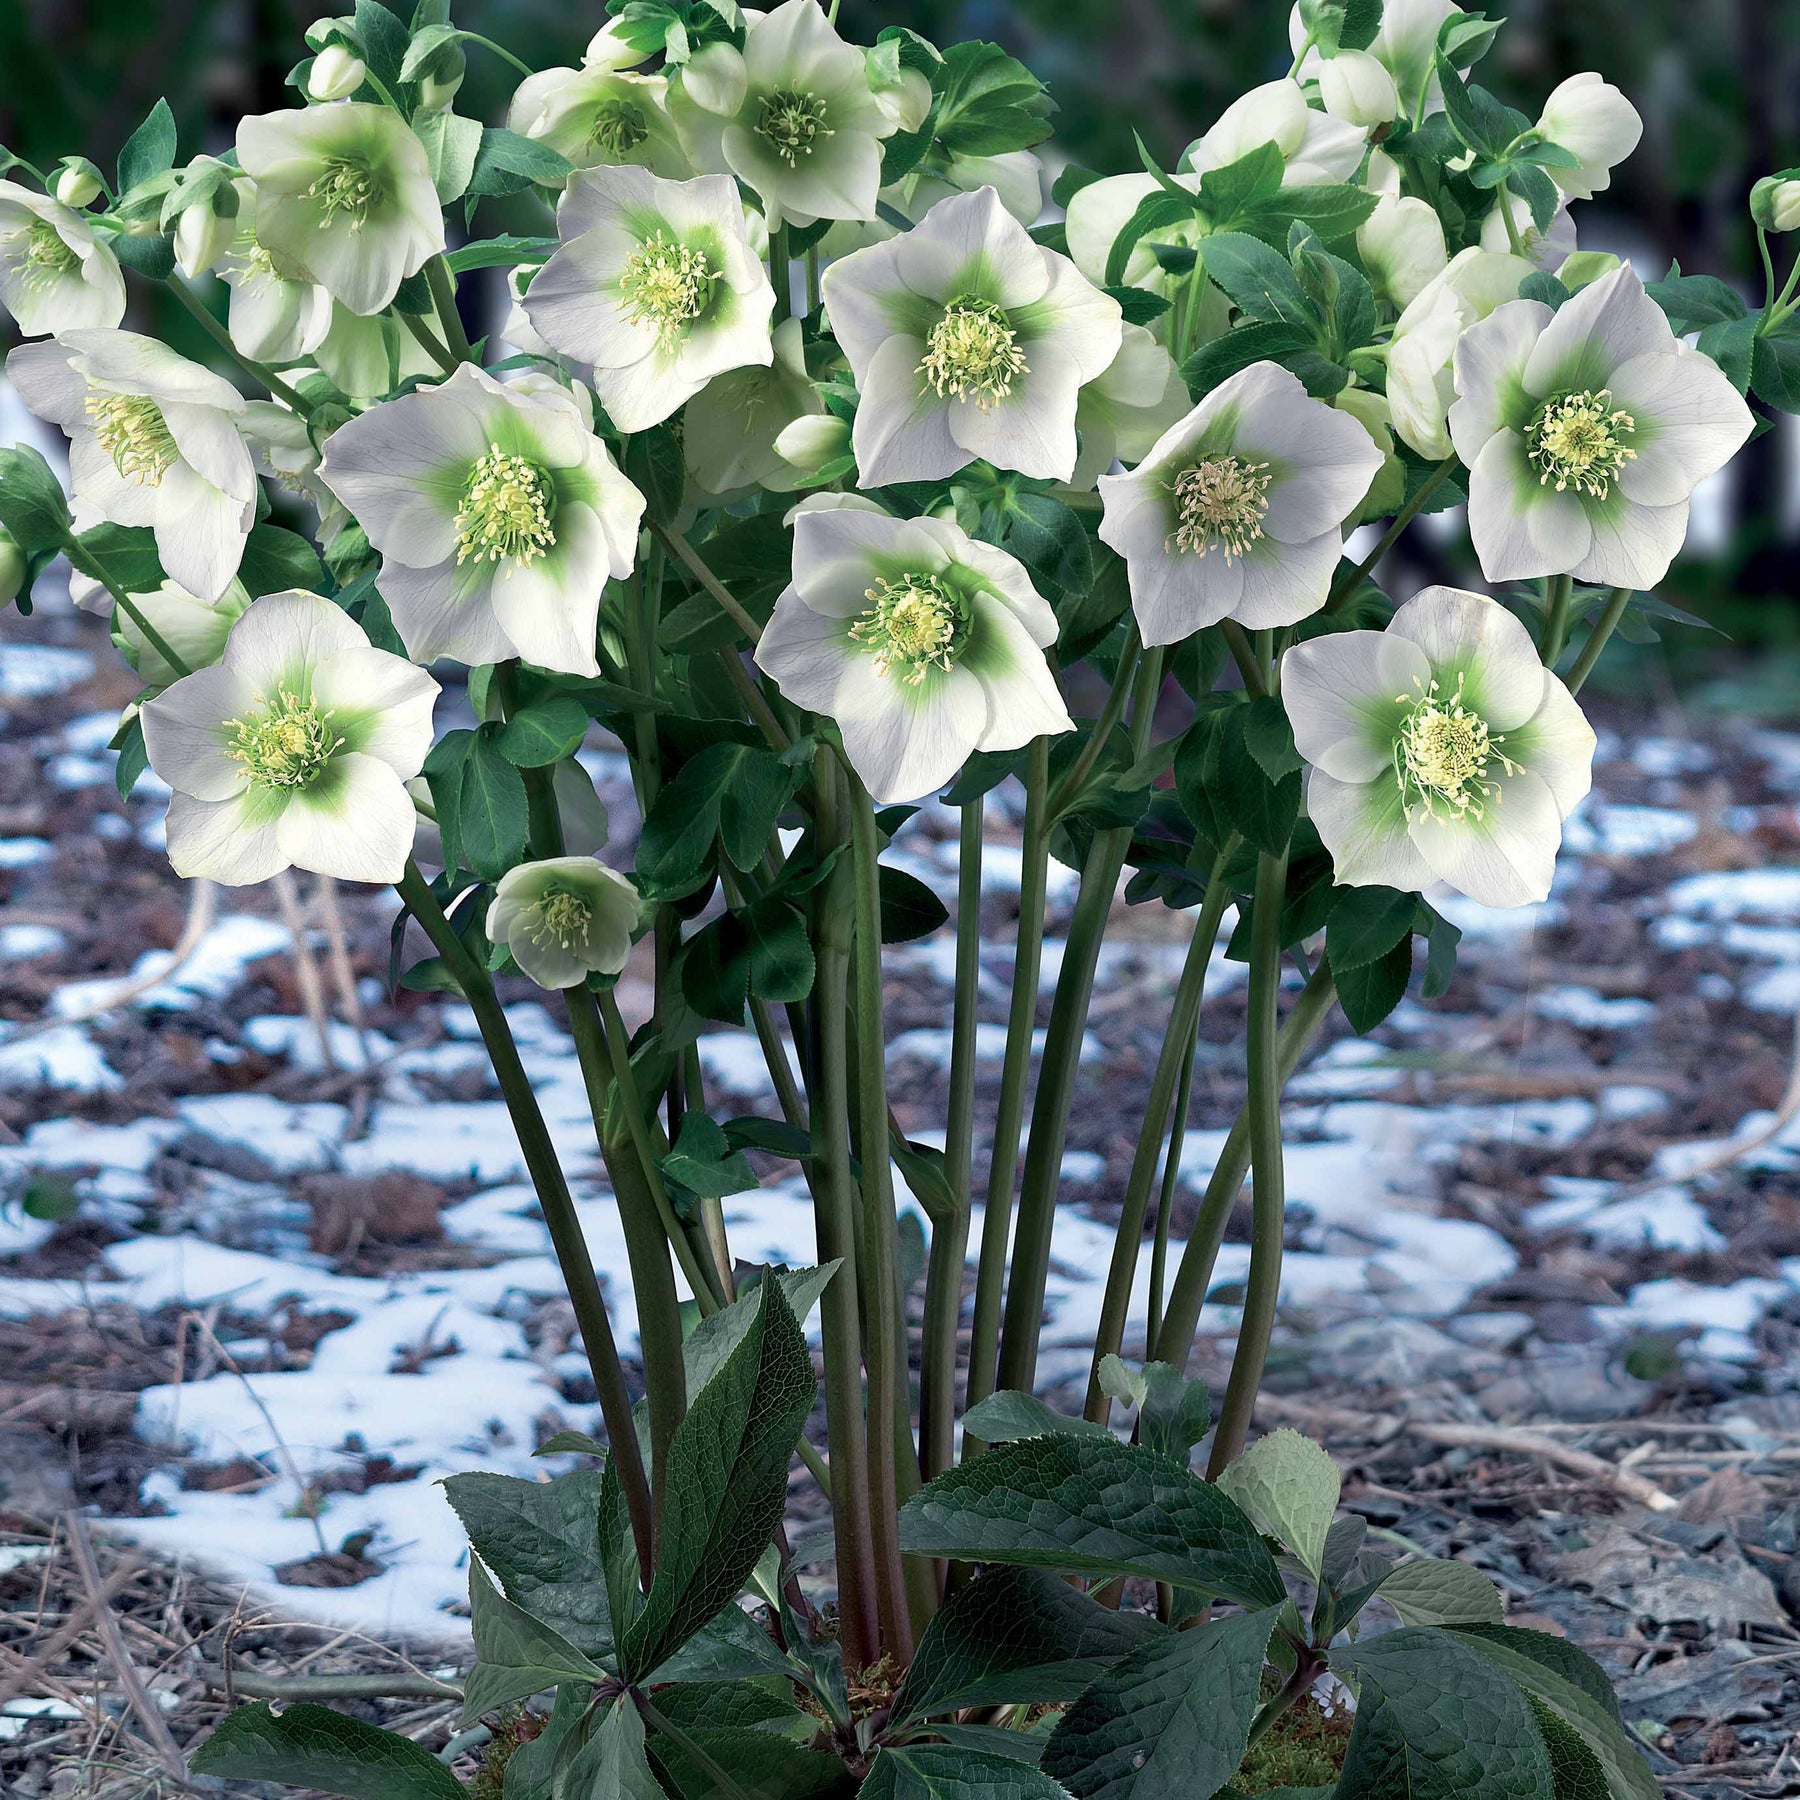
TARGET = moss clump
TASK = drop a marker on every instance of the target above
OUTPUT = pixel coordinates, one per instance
(1303, 1748)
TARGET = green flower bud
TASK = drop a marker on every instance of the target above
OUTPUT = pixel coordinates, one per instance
(79, 184)
(13, 569)
(1582, 267)
(1775, 201)
(336, 73)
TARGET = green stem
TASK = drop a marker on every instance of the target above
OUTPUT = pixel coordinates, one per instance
(1264, 1283)
(88, 564)
(1110, 713)
(500, 50)
(691, 560)
(1015, 1072)
(781, 273)
(950, 1237)
(1556, 617)
(835, 1207)
(1176, 1052)
(443, 295)
(429, 341)
(1243, 653)
(1604, 627)
(1165, 1199)
(220, 336)
(884, 1329)
(1193, 1275)
(1348, 584)
(552, 1189)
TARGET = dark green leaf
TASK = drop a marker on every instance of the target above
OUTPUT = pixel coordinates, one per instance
(134, 758)
(314, 1747)
(1270, 738)
(1365, 924)
(516, 1655)
(1050, 540)
(492, 814)
(1441, 939)
(1171, 1720)
(1482, 123)
(1241, 346)
(988, 103)
(384, 39)
(1575, 1771)
(704, 1163)
(126, 554)
(612, 1764)
(1369, 993)
(1332, 209)
(727, 1482)
(909, 909)
(150, 150)
(152, 257)
(952, 1772)
(1094, 1507)
(499, 253)
(544, 732)
(506, 163)
(653, 462)
(983, 772)
(1006, 1416)
(761, 1764)
(443, 772)
(275, 560)
(1139, 306)
(1155, 212)
(729, 793)
(1734, 346)
(1775, 366)
(1260, 282)
(1263, 811)
(32, 506)
(1228, 194)
(1695, 300)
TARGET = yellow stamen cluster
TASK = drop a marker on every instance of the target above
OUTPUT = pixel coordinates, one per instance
(562, 919)
(792, 124)
(973, 353)
(1578, 441)
(506, 510)
(1219, 505)
(287, 744)
(1443, 755)
(132, 431)
(666, 285)
(346, 186)
(48, 259)
(915, 623)
(618, 128)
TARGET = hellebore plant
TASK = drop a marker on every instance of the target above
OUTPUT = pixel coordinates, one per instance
(1075, 474)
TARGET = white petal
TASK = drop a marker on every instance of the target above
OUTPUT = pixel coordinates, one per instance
(574, 303)
(1340, 693)
(445, 611)
(1632, 546)
(1477, 638)
(903, 740)
(858, 291)
(1508, 857)
(1033, 428)
(1605, 325)
(1491, 358)
(394, 699)
(234, 842)
(1522, 527)
(1557, 745)
(1011, 584)
(839, 553)
(284, 637)
(549, 608)
(902, 430)
(1690, 422)
(1024, 701)
(1284, 583)
(357, 824)
(643, 394)
(211, 445)
(805, 653)
(185, 736)
(1083, 322)
(1323, 460)
(200, 531)
(1363, 825)
(973, 235)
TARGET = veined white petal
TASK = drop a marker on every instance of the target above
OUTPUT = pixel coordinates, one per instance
(972, 235)
(200, 531)
(1604, 326)
(550, 607)
(906, 740)
(284, 636)
(234, 842)
(1024, 701)
(806, 653)
(1085, 323)
(1633, 545)
(902, 430)
(1284, 583)
(839, 553)
(1508, 856)
(1340, 692)
(574, 303)
(391, 700)
(1363, 825)
(357, 825)
(184, 734)
(445, 611)
(1033, 428)
(858, 292)
(1472, 637)
(1521, 526)
(1490, 363)
(1690, 422)
(1557, 745)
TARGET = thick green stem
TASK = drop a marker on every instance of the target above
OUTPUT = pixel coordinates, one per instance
(835, 1208)
(1263, 1286)
(885, 1338)
(1176, 1053)
(429, 341)
(257, 372)
(1015, 1071)
(1243, 653)
(552, 1190)
(1165, 1199)
(691, 560)
(1193, 1275)
(1110, 714)
(1347, 584)
(443, 296)
(950, 1237)
(88, 564)
(1556, 618)
(1604, 627)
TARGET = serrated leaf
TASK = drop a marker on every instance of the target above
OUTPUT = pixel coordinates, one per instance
(150, 150)
(1575, 1771)
(516, 1655)
(1289, 1486)
(1171, 1721)
(1369, 993)
(492, 812)
(1008, 1415)
(612, 1764)
(1014, 1636)
(704, 1163)
(988, 103)
(729, 793)
(1440, 1591)
(1246, 343)
(1050, 540)
(544, 732)
(1260, 282)
(954, 1772)
(1092, 1506)
(1365, 924)
(1691, 301)
(312, 1746)
(1269, 737)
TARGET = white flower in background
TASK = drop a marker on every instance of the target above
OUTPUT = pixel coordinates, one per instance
(1401, 244)
(1405, 45)
(600, 113)
(193, 628)
(55, 273)
(1123, 411)
(271, 319)
(1592, 120)
(1546, 249)
(1388, 490)
(1356, 87)
(968, 339)
(336, 73)
(499, 516)
(369, 357)
(1441, 750)
(730, 428)
(1097, 213)
(1017, 176)
(344, 198)
(285, 452)
(655, 288)
(921, 643)
(792, 116)
(1420, 381)
(564, 919)
(153, 440)
(294, 751)
(1317, 148)
(1585, 431)
(811, 444)
(1238, 511)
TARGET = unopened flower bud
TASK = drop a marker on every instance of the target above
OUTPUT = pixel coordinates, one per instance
(441, 78)
(1775, 202)
(813, 441)
(79, 183)
(336, 73)
(1358, 89)
(12, 569)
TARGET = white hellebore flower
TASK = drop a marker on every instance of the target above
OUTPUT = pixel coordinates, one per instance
(1238, 512)
(730, 430)
(1441, 750)
(1401, 244)
(1135, 399)
(600, 114)
(193, 628)
(294, 751)
(499, 516)
(791, 115)
(153, 440)
(968, 339)
(564, 919)
(1593, 121)
(1405, 45)
(655, 288)
(921, 643)
(55, 273)
(1547, 249)
(271, 319)
(344, 198)
(1585, 431)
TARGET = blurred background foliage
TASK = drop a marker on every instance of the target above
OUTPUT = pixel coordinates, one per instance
(1717, 83)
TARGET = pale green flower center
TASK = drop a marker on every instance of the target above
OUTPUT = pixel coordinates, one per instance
(562, 919)
(347, 186)
(131, 430)
(666, 285)
(618, 128)
(916, 624)
(1444, 755)
(1219, 505)
(792, 123)
(287, 744)
(973, 353)
(48, 259)
(506, 510)
(1580, 441)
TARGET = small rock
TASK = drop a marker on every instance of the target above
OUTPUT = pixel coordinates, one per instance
(349, 1211)
(1492, 1330)
(1391, 1352)
(1580, 1382)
